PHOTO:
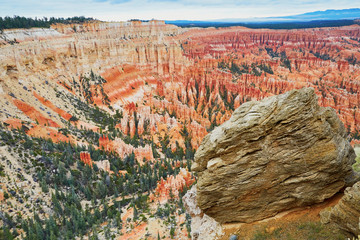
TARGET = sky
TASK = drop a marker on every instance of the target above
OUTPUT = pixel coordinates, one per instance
(122, 10)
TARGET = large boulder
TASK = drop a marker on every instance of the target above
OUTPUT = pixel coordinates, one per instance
(272, 155)
(346, 213)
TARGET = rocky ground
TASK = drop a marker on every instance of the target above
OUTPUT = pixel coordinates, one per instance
(121, 102)
(297, 224)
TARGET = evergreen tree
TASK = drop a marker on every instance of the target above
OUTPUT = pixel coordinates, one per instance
(135, 216)
(44, 186)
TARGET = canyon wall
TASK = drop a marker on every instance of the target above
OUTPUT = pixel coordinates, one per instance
(143, 96)
(166, 80)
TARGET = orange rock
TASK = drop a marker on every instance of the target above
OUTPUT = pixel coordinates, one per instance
(124, 149)
(172, 185)
(14, 123)
(171, 76)
(130, 107)
(86, 158)
(50, 105)
(49, 133)
(86, 125)
(104, 143)
(33, 114)
(355, 143)
(1, 195)
(138, 232)
(122, 172)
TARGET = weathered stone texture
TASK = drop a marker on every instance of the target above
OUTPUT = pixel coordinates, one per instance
(272, 155)
(346, 213)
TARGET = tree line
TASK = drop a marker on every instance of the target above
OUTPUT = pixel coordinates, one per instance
(24, 22)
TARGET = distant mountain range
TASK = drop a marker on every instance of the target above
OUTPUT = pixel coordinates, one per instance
(328, 15)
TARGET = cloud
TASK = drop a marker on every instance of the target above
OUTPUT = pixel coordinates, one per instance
(117, 10)
(113, 1)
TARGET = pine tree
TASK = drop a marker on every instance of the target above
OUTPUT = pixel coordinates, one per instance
(172, 232)
(118, 220)
(39, 231)
(135, 213)
(94, 235)
(107, 232)
(44, 186)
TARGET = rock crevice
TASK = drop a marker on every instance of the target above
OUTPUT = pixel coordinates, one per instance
(346, 214)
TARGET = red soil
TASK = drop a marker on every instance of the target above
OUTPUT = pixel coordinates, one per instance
(50, 105)
(34, 114)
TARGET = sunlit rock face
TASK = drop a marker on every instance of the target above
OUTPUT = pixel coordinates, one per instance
(273, 155)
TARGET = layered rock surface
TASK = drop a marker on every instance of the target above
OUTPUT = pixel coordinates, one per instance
(273, 155)
(346, 213)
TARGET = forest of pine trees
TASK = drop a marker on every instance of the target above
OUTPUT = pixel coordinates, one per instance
(68, 181)
(24, 22)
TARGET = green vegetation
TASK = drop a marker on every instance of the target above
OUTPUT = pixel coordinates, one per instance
(254, 69)
(88, 85)
(285, 62)
(169, 211)
(61, 173)
(356, 166)
(2, 173)
(80, 194)
(324, 57)
(102, 118)
(271, 52)
(263, 235)
(307, 230)
(352, 60)
(23, 22)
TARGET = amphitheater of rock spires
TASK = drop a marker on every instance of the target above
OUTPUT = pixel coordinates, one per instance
(114, 112)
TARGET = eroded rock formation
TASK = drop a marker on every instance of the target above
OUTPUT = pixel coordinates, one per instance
(124, 149)
(346, 214)
(171, 187)
(104, 165)
(171, 76)
(86, 158)
(273, 155)
(167, 87)
(203, 227)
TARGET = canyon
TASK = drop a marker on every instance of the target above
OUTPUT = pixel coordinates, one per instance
(134, 96)
(152, 68)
